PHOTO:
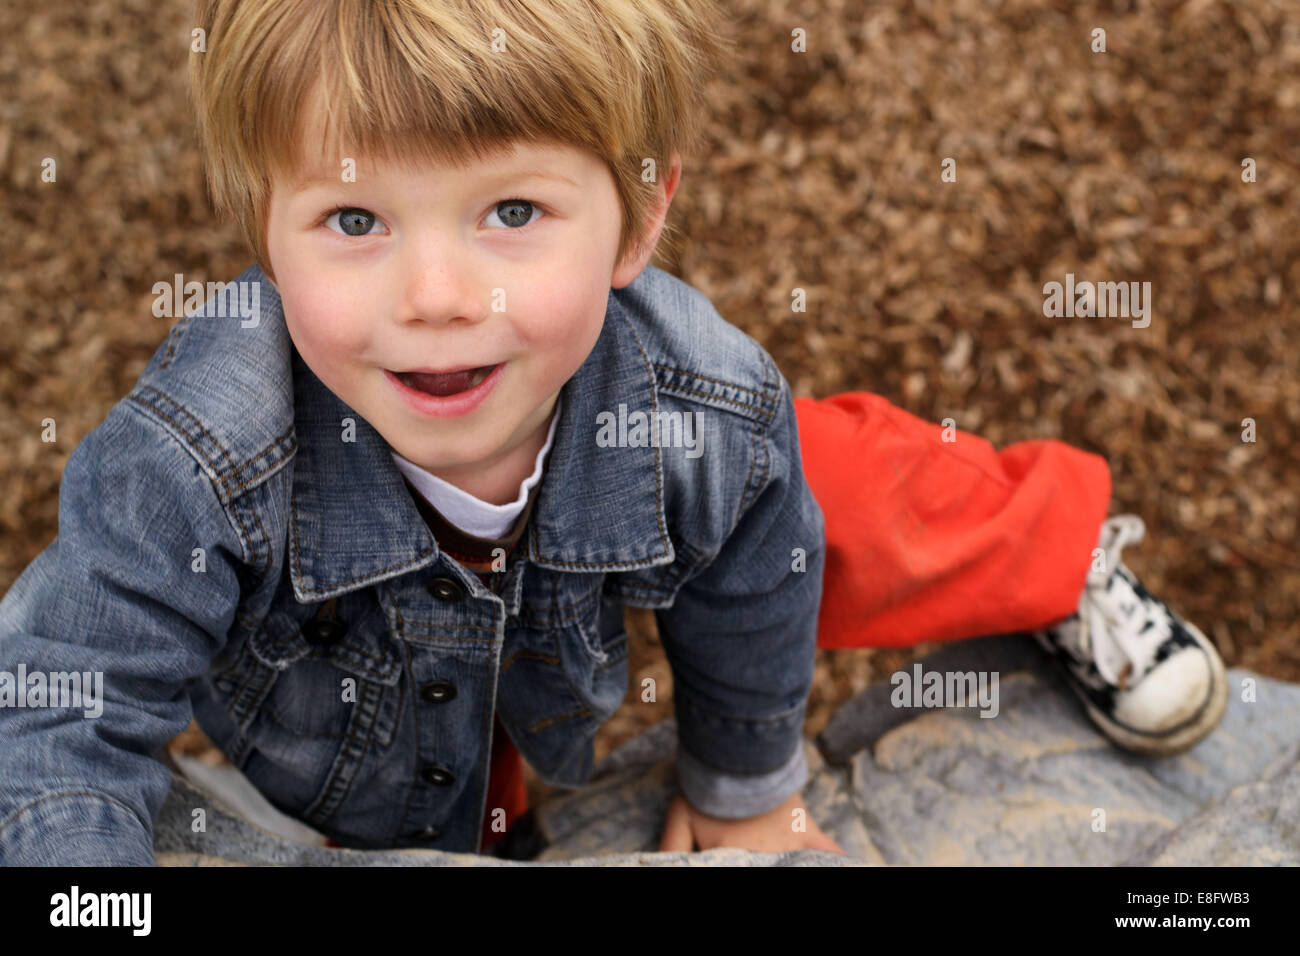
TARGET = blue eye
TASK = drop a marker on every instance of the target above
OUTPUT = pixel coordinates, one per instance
(515, 213)
(357, 222)
(352, 221)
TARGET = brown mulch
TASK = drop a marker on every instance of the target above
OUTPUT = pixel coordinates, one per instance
(823, 173)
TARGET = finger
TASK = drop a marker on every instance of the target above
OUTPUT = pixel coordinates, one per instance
(818, 839)
(677, 836)
(821, 841)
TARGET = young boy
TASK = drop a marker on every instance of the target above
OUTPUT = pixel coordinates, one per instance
(375, 527)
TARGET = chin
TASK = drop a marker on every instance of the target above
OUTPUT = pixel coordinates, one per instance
(443, 458)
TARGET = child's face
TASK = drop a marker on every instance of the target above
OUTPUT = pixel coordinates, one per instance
(411, 274)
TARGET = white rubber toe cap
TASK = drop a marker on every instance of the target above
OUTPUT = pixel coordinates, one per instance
(1169, 695)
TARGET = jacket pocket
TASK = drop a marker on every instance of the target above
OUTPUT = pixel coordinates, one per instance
(334, 702)
(345, 688)
(593, 652)
(599, 623)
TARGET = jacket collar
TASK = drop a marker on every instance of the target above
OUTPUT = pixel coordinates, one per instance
(353, 522)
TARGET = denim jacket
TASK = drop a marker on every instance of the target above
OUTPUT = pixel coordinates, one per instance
(236, 544)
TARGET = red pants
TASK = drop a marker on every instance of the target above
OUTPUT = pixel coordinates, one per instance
(933, 540)
(926, 539)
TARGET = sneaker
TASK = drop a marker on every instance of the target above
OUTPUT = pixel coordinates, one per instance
(1151, 681)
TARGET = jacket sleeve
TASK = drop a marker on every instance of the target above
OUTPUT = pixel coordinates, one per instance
(115, 598)
(741, 637)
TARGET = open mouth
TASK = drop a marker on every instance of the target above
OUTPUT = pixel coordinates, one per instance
(446, 383)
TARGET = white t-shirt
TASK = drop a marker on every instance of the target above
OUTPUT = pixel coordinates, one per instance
(474, 515)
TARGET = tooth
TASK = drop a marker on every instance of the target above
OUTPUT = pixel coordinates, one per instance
(477, 378)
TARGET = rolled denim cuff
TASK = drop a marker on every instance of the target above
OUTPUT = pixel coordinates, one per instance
(737, 796)
(75, 829)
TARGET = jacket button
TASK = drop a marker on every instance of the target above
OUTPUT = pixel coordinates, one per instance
(445, 589)
(438, 691)
(437, 774)
(323, 632)
(428, 833)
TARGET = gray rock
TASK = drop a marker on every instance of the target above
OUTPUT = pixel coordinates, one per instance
(1256, 824)
(231, 841)
(624, 807)
(1036, 784)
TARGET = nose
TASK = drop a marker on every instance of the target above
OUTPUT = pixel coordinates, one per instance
(439, 284)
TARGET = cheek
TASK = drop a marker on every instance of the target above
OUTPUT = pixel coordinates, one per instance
(322, 314)
(569, 321)
(323, 320)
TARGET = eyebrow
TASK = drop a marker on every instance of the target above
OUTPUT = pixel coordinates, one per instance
(537, 174)
(510, 177)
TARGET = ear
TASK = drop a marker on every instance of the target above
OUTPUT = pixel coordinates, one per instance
(630, 266)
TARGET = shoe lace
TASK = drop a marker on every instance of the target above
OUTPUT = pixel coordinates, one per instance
(1122, 630)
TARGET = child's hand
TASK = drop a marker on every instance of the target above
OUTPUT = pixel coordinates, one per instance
(770, 832)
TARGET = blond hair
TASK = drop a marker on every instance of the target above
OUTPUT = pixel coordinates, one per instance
(418, 80)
